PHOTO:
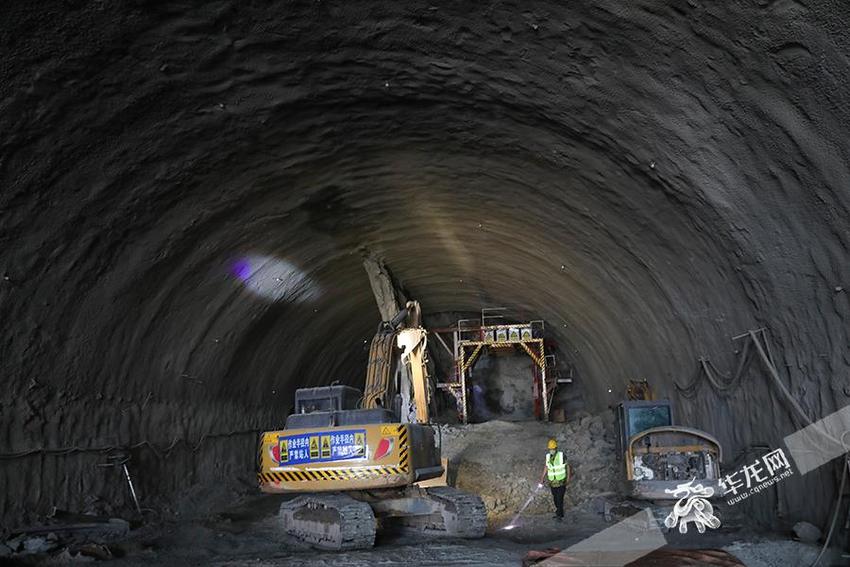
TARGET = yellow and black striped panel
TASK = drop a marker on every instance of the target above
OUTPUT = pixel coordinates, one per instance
(327, 474)
(403, 448)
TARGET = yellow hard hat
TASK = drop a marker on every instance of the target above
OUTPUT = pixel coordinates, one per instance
(553, 444)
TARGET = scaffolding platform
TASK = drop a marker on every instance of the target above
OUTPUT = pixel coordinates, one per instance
(470, 341)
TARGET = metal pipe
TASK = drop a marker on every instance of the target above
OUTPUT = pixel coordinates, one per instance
(442, 342)
(788, 396)
(132, 488)
(775, 375)
(545, 389)
(742, 335)
(846, 466)
(465, 416)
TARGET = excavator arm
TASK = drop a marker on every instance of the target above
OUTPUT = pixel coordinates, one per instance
(404, 332)
(414, 341)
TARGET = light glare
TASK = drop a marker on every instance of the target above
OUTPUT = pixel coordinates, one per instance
(274, 279)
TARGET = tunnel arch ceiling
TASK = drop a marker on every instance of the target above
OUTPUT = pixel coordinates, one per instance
(650, 180)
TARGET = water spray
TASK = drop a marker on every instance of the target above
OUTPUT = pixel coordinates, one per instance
(513, 523)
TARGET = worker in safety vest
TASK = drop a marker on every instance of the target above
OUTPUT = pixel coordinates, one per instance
(557, 473)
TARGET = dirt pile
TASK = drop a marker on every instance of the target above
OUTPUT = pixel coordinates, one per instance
(503, 461)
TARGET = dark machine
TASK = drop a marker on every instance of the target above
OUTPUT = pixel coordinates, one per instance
(660, 456)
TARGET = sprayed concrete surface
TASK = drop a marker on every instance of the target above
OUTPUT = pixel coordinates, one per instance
(187, 190)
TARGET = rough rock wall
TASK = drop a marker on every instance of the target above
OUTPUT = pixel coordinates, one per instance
(501, 388)
(186, 191)
(61, 443)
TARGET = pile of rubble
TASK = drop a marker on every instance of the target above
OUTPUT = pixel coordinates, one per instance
(95, 534)
(503, 461)
(66, 537)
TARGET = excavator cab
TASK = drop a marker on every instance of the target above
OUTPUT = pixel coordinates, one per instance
(333, 405)
(326, 398)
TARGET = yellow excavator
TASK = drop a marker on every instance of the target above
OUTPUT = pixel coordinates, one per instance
(354, 459)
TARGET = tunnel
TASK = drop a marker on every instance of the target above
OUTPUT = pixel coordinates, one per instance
(188, 191)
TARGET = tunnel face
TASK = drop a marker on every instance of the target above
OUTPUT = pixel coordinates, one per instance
(188, 192)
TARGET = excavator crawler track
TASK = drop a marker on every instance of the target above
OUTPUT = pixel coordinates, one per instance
(329, 521)
(454, 514)
(464, 514)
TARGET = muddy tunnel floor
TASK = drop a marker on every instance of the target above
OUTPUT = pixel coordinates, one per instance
(249, 534)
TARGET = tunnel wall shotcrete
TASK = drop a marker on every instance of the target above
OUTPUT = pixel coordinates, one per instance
(651, 178)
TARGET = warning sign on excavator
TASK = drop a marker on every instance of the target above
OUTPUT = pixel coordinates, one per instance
(359, 444)
(388, 430)
(314, 447)
(326, 446)
(284, 450)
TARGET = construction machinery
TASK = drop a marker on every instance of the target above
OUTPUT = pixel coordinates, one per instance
(353, 458)
(659, 456)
